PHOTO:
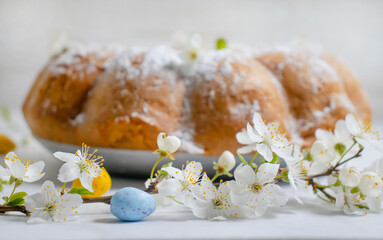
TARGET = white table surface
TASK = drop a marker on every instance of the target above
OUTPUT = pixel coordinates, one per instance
(312, 220)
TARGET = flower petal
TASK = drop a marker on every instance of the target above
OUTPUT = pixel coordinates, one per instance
(9, 157)
(374, 203)
(277, 195)
(66, 157)
(39, 216)
(267, 172)
(34, 201)
(68, 172)
(265, 151)
(247, 149)
(49, 192)
(192, 171)
(204, 212)
(341, 133)
(244, 174)
(243, 138)
(240, 196)
(17, 169)
(253, 134)
(259, 125)
(352, 124)
(70, 201)
(174, 172)
(169, 187)
(33, 172)
(325, 136)
(86, 181)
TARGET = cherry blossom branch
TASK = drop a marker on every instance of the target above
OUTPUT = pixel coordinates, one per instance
(332, 169)
(322, 189)
(21, 208)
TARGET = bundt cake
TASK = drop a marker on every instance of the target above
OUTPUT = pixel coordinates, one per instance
(320, 90)
(122, 99)
(56, 99)
(138, 96)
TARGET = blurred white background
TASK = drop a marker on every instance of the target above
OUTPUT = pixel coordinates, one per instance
(352, 30)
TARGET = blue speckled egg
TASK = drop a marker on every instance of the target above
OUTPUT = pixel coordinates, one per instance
(132, 204)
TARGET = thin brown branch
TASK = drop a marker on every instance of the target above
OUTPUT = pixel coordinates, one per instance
(332, 169)
(21, 208)
(103, 199)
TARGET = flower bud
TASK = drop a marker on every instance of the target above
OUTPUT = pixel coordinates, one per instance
(320, 152)
(370, 184)
(350, 177)
(227, 161)
(169, 144)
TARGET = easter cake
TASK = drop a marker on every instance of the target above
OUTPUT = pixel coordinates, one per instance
(108, 97)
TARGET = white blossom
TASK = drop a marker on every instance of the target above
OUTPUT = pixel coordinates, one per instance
(50, 206)
(179, 185)
(349, 203)
(82, 165)
(363, 132)
(265, 139)
(22, 170)
(297, 171)
(226, 161)
(370, 184)
(212, 203)
(322, 152)
(190, 49)
(350, 177)
(168, 144)
(257, 191)
(336, 142)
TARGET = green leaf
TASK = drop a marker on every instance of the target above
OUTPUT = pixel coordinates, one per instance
(81, 191)
(6, 114)
(221, 43)
(354, 190)
(5, 199)
(17, 195)
(242, 159)
(340, 147)
(16, 202)
(11, 180)
(337, 183)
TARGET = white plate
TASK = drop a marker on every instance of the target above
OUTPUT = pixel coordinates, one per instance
(127, 162)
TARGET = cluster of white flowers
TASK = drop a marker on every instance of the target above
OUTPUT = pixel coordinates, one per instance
(51, 205)
(248, 195)
(254, 187)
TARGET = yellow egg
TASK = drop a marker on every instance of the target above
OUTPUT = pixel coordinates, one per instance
(6, 145)
(101, 184)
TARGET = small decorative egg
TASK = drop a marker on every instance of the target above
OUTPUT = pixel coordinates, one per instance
(132, 204)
